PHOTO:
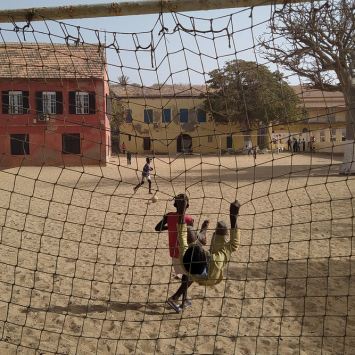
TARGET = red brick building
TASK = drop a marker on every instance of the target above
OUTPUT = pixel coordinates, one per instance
(53, 105)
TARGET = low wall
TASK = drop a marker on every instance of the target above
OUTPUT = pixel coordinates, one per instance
(331, 147)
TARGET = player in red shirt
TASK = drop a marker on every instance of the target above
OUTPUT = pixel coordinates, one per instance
(169, 223)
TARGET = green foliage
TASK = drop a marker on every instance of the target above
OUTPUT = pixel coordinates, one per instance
(123, 80)
(251, 95)
(117, 116)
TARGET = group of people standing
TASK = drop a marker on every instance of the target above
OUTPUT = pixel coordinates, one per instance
(295, 145)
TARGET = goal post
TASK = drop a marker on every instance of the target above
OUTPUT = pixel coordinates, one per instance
(127, 8)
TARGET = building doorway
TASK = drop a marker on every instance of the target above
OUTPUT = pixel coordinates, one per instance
(146, 143)
(229, 142)
(184, 141)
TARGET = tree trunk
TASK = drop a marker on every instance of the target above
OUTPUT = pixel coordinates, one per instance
(348, 165)
(115, 142)
(248, 144)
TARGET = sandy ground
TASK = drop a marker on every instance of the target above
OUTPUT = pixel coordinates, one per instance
(82, 270)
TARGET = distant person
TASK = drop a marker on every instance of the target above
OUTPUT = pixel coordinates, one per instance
(314, 146)
(294, 144)
(310, 144)
(299, 146)
(304, 145)
(123, 148)
(129, 158)
(289, 144)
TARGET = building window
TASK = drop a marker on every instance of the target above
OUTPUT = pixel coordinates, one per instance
(146, 143)
(49, 101)
(201, 116)
(166, 115)
(209, 139)
(148, 116)
(15, 102)
(19, 144)
(71, 143)
(184, 115)
(82, 103)
(129, 118)
(129, 137)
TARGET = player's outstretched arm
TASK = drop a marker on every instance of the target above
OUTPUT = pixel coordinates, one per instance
(162, 225)
(234, 212)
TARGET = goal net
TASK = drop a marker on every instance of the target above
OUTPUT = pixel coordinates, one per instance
(224, 114)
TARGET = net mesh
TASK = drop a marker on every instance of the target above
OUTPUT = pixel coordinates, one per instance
(82, 268)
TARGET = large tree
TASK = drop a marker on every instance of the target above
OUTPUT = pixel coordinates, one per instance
(251, 95)
(317, 42)
(116, 114)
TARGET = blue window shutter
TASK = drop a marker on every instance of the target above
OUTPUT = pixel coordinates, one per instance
(166, 115)
(148, 116)
(129, 116)
(184, 115)
(201, 116)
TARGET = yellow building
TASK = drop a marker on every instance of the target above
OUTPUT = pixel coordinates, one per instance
(169, 120)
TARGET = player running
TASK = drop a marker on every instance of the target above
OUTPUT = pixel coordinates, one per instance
(145, 176)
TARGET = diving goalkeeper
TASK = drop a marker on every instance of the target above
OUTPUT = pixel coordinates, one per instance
(205, 268)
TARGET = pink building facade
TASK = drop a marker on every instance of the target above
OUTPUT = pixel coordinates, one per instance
(53, 105)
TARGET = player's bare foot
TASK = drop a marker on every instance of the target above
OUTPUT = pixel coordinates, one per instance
(205, 225)
(186, 304)
(202, 235)
(174, 305)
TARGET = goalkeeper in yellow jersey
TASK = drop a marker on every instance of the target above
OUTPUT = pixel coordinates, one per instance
(205, 268)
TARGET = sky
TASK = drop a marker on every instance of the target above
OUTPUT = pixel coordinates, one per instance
(179, 57)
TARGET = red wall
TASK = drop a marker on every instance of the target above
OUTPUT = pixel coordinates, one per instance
(45, 138)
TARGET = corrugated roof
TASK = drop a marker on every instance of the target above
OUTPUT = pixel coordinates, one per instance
(47, 60)
(310, 98)
(156, 91)
(304, 92)
(323, 104)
